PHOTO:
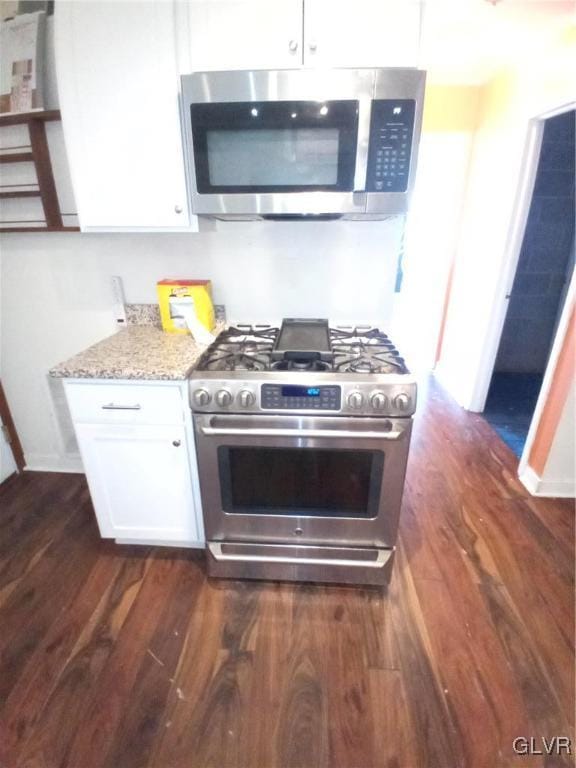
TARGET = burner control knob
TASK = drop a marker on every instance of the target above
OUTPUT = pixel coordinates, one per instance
(246, 398)
(378, 401)
(402, 402)
(202, 397)
(223, 398)
(355, 399)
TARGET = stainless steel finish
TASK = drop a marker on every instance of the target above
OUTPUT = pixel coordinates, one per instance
(224, 398)
(392, 436)
(412, 82)
(378, 401)
(402, 402)
(371, 407)
(113, 407)
(312, 85)
(355, 400)
(350, 383)
(246, 398)
(293, 46)
(294, 429)
(340, 565)
(176, 443)
(278, 85)
(364, 111)
(201, 397)
(281, 553)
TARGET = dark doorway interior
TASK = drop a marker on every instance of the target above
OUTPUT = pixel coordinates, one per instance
(544, 269)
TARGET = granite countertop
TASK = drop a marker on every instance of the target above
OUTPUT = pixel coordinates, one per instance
(135, 352)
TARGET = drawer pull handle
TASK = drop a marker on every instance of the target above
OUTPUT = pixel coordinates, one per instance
(176, 443)
(112, 407)
(215, 549)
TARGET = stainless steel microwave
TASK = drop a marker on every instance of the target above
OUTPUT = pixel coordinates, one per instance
(337, 143)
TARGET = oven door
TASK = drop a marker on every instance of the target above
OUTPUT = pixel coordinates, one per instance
(304, 480)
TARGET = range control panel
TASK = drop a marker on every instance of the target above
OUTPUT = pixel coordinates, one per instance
(391, 130)
(355, 397)
(276, 397)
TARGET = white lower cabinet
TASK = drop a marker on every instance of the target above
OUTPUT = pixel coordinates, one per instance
(142, 477)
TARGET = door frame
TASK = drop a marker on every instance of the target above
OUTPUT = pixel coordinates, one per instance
(515, 237)
(556, 351)
(14, 440)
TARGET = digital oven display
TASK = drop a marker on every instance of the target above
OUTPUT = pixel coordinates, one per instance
(300, 392)
(294, 398)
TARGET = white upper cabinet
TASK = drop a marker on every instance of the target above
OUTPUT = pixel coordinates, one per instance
(243, 34)
(286, 34)
(118, 87)
(361, 33)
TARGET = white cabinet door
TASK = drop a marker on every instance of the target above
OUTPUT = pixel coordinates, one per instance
(118, 86)
(244, 34)
(361, 33)
(140, 481)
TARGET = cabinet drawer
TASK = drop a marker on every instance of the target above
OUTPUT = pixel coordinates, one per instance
(125, 404)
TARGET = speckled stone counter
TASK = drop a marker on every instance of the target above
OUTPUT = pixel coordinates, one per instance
(135, 352)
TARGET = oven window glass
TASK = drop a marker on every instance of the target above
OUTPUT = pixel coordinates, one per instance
(303, 482)
(277, 146)
(273, 157)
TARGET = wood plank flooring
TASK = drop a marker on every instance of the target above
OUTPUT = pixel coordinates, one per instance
(128, 657)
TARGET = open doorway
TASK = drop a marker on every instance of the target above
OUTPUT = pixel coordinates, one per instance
(545, 265)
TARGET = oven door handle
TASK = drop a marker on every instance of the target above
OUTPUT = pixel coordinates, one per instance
(215, 549)
(332, 434)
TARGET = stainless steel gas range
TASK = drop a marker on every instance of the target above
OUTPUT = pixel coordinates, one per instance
(302, 435)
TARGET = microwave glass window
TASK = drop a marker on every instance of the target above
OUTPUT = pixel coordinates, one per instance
(304, 482)
(273, 157)
(276, 146)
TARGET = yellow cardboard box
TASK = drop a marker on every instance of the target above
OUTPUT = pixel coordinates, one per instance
(171, 292)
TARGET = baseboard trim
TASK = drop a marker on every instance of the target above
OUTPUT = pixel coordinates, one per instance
(556, 489)
(160, 543)
(45, 462)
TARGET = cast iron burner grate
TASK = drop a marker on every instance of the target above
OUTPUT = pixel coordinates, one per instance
(377, 362)
(356, 349)
(240, 348)
(363, 349)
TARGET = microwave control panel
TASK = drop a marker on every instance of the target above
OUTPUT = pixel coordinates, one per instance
(391, 130)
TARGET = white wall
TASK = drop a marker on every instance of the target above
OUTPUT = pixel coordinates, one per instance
(483, 264)
(431, 234)
(56, 299)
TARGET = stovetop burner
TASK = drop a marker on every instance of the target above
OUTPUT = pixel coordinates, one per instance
(355, 349)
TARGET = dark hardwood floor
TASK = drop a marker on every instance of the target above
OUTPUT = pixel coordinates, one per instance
(128, 657)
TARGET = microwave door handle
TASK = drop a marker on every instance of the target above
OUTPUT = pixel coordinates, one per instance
(331, 434)
(361, 168)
